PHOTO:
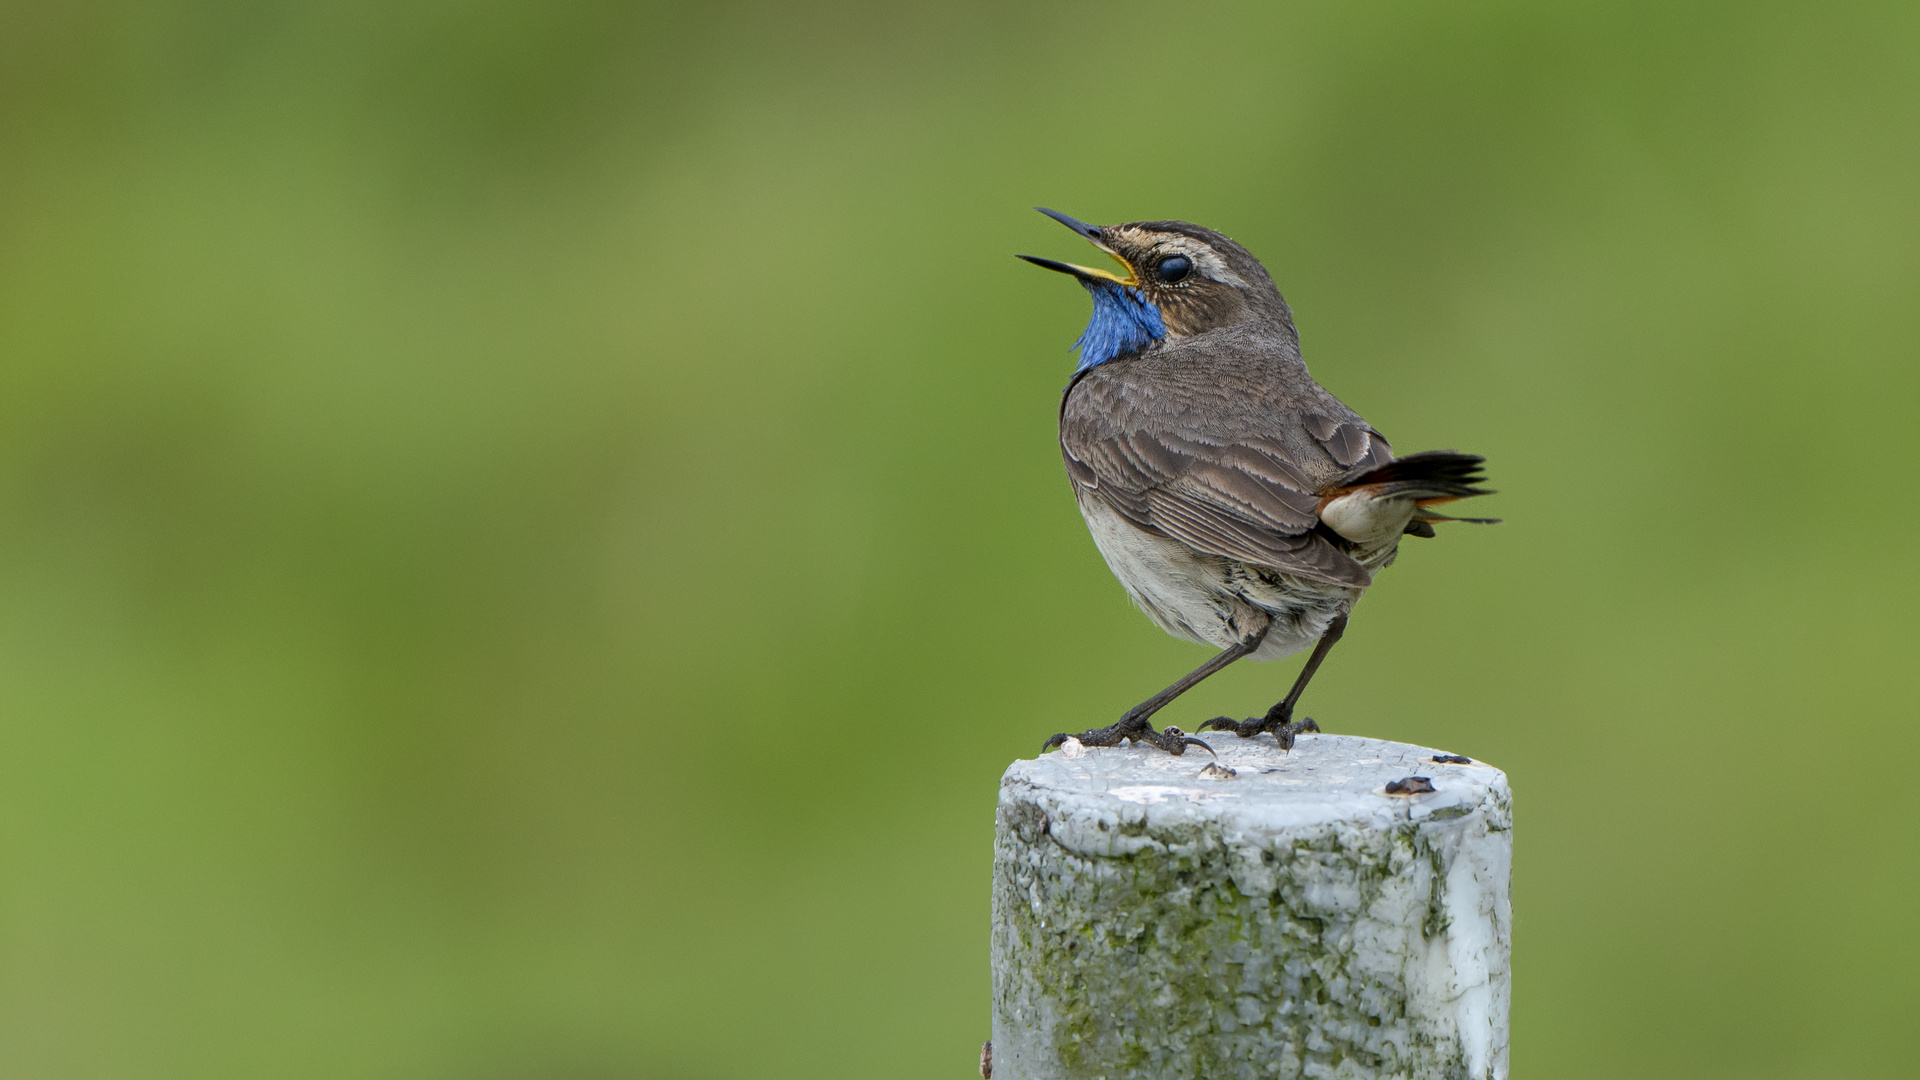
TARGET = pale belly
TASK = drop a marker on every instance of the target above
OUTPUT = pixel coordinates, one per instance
(1213, 600)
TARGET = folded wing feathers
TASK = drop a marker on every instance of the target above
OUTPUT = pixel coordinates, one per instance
(1248, 500)
(1251, 496)
(1345, 441)
(1205, 528)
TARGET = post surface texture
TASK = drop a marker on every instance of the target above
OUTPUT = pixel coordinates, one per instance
(1293, 920)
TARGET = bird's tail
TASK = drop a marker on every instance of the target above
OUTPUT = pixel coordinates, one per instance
(1429, 478)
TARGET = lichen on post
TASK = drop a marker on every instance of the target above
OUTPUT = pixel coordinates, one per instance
(1340, 911)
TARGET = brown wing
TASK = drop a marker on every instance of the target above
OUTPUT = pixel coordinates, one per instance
(1349, 442)
(1244, 500)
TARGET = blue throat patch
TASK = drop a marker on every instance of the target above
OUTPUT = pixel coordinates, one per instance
(1123, 322)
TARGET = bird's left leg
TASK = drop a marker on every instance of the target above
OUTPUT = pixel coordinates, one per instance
(1279, 719)
(1135, 725)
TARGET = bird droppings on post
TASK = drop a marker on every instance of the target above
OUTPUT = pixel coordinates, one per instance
(1293, 923)
(1072, 748)
(1217, 771)
(1411, 785)
(1451, 759)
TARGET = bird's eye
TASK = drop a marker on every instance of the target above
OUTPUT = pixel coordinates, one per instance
(1173, 268)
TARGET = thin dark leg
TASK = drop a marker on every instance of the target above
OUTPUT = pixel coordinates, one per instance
(1279, 719)
(1134, 724)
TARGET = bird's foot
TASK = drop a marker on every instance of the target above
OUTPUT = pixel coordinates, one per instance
(1174, 741)
(1171, 739)
(1278, 720)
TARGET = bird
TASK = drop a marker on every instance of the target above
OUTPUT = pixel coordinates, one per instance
(1240, 503)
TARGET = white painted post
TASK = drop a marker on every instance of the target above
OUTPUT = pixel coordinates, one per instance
(1155, 918)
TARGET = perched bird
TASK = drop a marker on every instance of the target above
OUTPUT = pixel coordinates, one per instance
(1240, 504)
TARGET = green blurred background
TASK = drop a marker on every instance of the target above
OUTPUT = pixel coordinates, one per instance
(528, 531)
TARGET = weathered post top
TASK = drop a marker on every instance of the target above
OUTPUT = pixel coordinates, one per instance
(1341, 910)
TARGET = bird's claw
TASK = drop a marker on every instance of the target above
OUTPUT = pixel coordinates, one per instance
(1285, 732)
(1276, 722)
(1175, 742)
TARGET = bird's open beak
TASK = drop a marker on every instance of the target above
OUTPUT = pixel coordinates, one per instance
(1093, 236)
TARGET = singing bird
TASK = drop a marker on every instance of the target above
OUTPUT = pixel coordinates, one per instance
(1240, 504)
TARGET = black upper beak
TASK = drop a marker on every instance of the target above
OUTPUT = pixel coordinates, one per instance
(1091, 232)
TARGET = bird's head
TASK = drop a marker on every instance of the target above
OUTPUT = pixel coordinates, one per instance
(1179, 280)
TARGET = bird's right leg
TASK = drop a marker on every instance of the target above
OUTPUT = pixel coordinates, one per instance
(1135, 724)
(1279, 719)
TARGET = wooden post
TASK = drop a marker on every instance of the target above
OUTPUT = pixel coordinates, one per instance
(1341, 911)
